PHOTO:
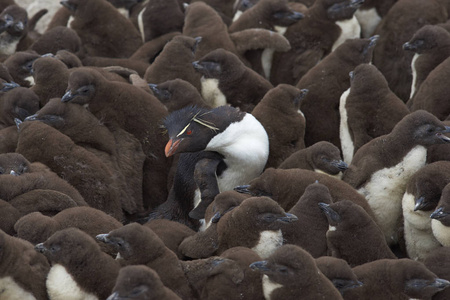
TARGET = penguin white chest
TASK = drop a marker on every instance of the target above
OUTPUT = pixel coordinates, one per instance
(267, 55)
(8, 43)
(211, 92)
(269, 241)
(245, 147)
(141, 24)
(10, 290)
(347, 146)
(385, 189)
(350, 29)
(414, 74)
(441, 232)
(418, 235)
(369, 19)
(62, 286)
(269, 286)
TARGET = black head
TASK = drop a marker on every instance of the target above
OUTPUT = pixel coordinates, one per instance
(278, 12)
(137, 282)
(70, 5)
(53, 114)
(190, 129)
(286, 263)
(343, 10)
(13, 164)
(422, 128)
(427, 38)
(18, 103)
(69, 246)
(134, 243)
(326, 157)
(81, 87)
(14, 20)
(218, 63)
(163, 94)
(333, 216)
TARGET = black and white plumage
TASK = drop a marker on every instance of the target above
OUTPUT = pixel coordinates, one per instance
(440, 223)
(381, 168)
(234, 141)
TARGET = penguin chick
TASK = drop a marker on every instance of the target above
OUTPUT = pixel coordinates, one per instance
(14, 30)
(23, 271)
(226, 80)
(139, 245)
(139, 114)
(176, 94)
(440, 223)
(18, 103)
(255, 224)
(121, 38)
(395, 279)
(431, 91)
(339, 273)
(321, 157)
(389, 56)
(309, 232)
(369, 95)
(287, 186)
(431, 46)
(326, 82)
(37, 228)
(291, 273)
(205, 242)
(381, 168)
(421, 197)
(79, 267)
(437, 261)
(20, 65)
(279, 113)
(353, 235)
(140, 283)
(175, 61)
(201, 20)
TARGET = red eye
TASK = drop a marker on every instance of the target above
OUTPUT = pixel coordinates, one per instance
(189, 132)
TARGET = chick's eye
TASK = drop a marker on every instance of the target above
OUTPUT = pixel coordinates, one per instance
(189, 132)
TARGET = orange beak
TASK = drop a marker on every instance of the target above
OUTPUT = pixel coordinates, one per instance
(172, 146)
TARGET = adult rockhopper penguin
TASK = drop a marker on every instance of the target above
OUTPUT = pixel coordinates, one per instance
(234, 144)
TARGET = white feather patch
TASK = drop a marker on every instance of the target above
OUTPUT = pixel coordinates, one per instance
(211, 92)
(30, 79)
(8, 43)
(347, 146)
(269, 286)
(441, 232)
(418, 235)
(245, 147)
(350, 29)
(384, 191)
(237, 15)
(141, 24)
(337, 176)
(62, 286)
(10, 290)
(414, 74)
(269, 241)
(369, 20)
(197, 198)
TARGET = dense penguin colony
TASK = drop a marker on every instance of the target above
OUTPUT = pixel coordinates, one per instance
(224, 149)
